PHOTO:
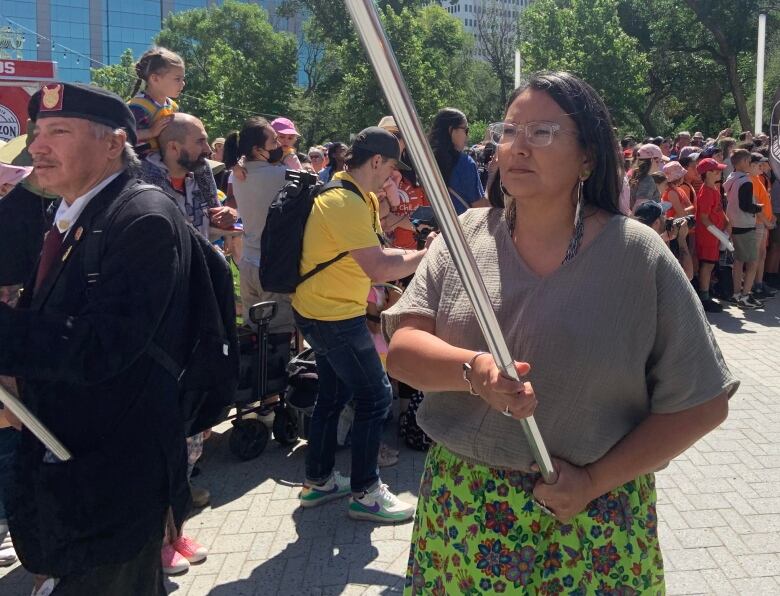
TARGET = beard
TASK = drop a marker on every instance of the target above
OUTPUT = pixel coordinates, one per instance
(188, 163)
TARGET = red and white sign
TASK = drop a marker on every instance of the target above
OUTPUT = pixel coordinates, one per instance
(19, 79)
(26, 70)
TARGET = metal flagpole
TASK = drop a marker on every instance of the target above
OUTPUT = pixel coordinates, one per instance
(760, 73)
(36, 427)
(366, 21)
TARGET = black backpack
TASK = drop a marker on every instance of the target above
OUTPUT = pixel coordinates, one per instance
(209, 378)
(281, 244)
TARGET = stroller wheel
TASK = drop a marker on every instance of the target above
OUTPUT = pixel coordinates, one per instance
(285, 426)
(248, 439)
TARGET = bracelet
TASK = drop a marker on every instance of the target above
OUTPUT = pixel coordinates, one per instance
(467, 368)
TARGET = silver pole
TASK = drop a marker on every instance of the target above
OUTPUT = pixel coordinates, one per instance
(760, 73)
(518, 68)
(366, 21)
(36, 427)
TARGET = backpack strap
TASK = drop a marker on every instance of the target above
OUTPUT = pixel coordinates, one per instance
(95, 240)
(335, 183)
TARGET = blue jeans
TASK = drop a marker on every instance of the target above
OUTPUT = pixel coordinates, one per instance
(349, 369)
(9, 437)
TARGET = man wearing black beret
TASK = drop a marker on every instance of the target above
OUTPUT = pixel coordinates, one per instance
(77, 343)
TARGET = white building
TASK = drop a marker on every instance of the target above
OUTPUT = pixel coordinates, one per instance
(468, 11)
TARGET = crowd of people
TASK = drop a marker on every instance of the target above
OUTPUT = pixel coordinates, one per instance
(724, 187)
(583, 241)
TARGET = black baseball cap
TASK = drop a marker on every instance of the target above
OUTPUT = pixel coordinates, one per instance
(758, 158)
(88, 102)
(649, 211)
(379, 142)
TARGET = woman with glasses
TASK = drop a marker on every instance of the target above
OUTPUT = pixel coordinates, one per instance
(448, 137)
(620, 370)
(317, 158)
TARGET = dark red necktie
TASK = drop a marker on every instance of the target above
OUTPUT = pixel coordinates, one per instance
(52, 247)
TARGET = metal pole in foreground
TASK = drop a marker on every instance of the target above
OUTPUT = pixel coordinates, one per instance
(36, 427)
(366, 21)
(518, 68)
(760, 73)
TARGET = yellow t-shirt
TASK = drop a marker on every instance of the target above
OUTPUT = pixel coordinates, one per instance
(340, 221)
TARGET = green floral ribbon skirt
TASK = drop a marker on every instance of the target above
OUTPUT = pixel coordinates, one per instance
(478, 531)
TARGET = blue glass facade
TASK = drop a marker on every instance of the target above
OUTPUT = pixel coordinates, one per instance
(100, 30)
(24, 13)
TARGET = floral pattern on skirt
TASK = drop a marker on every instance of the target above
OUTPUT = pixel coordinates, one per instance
(478, 531)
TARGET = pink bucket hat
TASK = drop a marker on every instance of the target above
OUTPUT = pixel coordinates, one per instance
(284, 126)
(13, 174)
(674, 171)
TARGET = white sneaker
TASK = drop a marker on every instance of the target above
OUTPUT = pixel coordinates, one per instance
(336, 487)
(7, 553)
(380, 505)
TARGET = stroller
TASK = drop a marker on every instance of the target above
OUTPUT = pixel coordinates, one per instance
(268, 374)
(262, 379)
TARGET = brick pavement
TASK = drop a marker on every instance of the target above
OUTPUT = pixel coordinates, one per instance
(719, 505)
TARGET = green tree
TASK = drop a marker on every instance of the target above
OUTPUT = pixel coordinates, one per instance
(586, 38)
(119, 77)
(434, 54)
(237, 65)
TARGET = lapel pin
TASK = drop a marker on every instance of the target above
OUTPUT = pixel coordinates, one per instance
(77, 235)
(67, 253)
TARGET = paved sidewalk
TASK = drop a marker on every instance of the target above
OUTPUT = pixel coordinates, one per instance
(719, 505)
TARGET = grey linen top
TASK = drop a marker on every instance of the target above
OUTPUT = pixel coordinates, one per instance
(612, 336)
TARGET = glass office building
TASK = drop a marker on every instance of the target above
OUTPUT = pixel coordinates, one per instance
(100, 30)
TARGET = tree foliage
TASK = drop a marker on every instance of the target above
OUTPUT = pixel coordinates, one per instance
(237, 65)
(586, 38)
(433, 52)
(119, 77)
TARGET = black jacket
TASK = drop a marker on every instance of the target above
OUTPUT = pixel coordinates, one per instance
(24, 219)
(80, 354)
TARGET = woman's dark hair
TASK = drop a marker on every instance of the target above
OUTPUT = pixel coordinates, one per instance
(154, 61)
(440, 138)
(685, 161)
(641, 170)
(303, 157)
(333, 149)
(253, 134)
(596, 136)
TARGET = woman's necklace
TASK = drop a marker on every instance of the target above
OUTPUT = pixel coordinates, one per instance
(576, 237)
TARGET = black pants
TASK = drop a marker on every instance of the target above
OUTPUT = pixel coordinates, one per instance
(140, 576)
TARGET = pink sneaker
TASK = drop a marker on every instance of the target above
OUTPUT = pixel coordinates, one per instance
(172, 562)
(190, 550)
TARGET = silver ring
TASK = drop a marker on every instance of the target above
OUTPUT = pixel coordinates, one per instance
(506, 412)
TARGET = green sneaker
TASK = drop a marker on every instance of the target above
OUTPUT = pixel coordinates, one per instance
(380, 505)
(336, 487)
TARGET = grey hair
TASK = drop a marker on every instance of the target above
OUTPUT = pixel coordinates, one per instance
(129, 157)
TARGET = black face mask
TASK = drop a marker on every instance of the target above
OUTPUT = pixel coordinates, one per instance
(275, 155)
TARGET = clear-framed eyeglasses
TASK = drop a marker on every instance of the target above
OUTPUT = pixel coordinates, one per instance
(537, 134)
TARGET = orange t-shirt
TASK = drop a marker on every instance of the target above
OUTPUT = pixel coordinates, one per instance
(177, 183)
(412, 197)
(762, 196)
(682, 192)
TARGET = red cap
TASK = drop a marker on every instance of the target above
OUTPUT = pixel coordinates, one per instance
(709, 165)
